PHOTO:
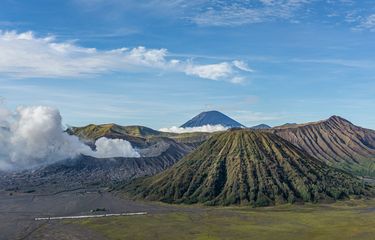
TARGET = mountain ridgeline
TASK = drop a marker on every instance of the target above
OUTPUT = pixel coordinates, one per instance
(261, 126)
(134, 134)
(138, 136)
(212, 118)
(336, 141)
(249, 168)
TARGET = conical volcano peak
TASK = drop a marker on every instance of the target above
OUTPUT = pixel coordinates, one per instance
(250, 168)
(212, 118)
(212, 112)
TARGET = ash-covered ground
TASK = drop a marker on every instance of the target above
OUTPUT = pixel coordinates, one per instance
(75, 187)
(19, 210)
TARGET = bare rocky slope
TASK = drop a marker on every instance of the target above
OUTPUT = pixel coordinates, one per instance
(336, 141)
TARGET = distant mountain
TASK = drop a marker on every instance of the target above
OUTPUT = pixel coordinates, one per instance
(286, 125)
(250, 168)
(212, 118)
(336, 141)
(261, 126)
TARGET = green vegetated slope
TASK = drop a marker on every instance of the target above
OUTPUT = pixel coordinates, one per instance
(250, 168)
(191, 137)
(336, 141)
(93, 131)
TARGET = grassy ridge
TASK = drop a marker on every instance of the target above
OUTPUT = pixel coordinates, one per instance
(93, 132)
(343, 220)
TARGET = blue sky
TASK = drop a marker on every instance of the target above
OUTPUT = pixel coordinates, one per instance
(159, 63)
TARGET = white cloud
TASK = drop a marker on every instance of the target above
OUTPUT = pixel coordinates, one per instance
(34, 136)
(210, 71)
(359, 14)
(224, 70)
(212, 12)
(24, 55)
(242, 66)
(229, 13)
(109, 148)
(153, 57)
(205, 128)
(242, 12)
(367, 23)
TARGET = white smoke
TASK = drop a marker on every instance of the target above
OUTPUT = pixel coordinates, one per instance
(34, 136)
(204, 128)
(109, 148)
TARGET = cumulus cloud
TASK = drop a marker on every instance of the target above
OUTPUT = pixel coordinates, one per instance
(220, 71)
(109, 148)
(34, 136)
(205, 128)
(25, 55)
(210, 71)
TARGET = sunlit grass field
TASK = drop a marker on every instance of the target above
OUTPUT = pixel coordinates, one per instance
(353, 219)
